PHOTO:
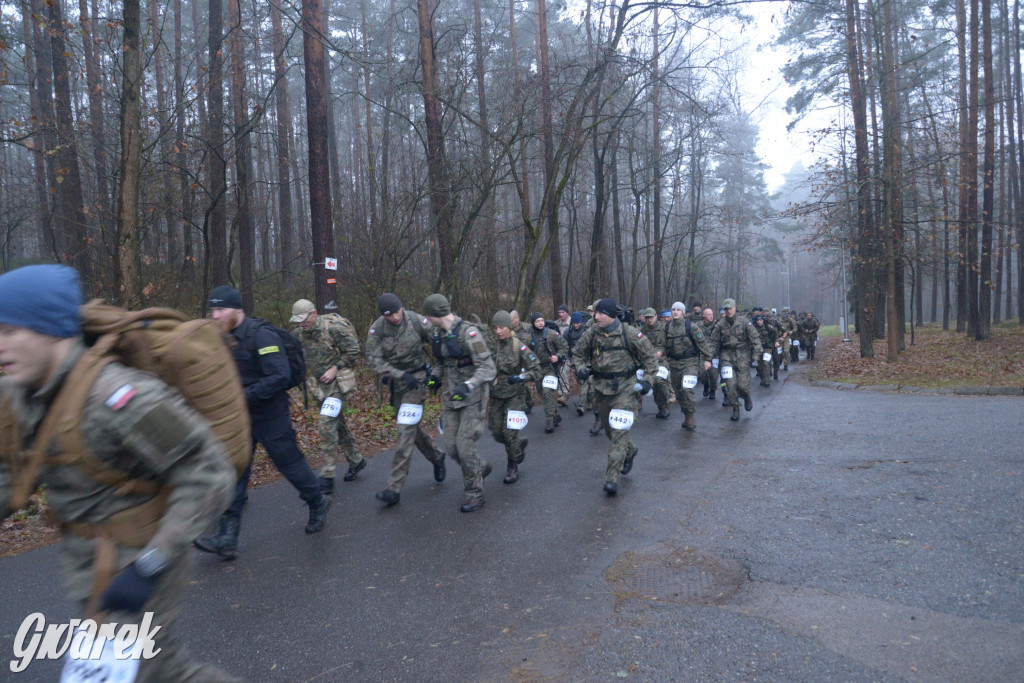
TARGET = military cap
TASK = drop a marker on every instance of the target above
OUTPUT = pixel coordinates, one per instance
(437, 306)
(729, 303)
(649, 312)
(301, 310)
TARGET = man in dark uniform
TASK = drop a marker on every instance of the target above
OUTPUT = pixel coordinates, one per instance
(263, 366)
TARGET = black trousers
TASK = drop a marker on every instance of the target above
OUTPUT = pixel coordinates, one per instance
(272, 427)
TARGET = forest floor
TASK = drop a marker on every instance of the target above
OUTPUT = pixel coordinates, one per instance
(936, 359)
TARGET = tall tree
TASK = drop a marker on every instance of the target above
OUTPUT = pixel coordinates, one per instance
(243, 155)
(550, 203)
(284, 133)
(217, 265)
(319, 164)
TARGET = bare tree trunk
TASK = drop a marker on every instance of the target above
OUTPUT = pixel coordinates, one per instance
(984, 329)
(126, 279)
(656, 294)
(317, 131)
(490, 282)
(38, 139)
(166, 153)
(184, 183)
(243, 156)
(284, 152)
(437, 165)
(217, 264)
(550, 203)
(332, 125)
(72, 213)
(92, 79)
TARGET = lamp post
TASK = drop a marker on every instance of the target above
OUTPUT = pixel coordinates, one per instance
(844, 325)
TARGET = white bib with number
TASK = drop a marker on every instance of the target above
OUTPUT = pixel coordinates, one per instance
(767, 356)
(410, 414)
(714, 362)
(550, 382)
(796, 343)
(662, 372)
(80, 666)
(331, 407)
(689, 381)
(516, 419)
(640, 374)
(621, 420)
(726, 372)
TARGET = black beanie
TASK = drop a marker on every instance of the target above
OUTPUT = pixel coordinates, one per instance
(534, 317)
(607, 306)
(225, 297)
(388, 304)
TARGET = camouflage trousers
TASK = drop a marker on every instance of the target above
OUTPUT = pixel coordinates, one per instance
(409, 436)
(661, 390)
(462, 427)
(587, 396)
(336, 439)
(173, 662)
(709, 378)
(622, 445)
(548, 396)
(785, 350)
(497, 419)
(739, 386)
(688, 366)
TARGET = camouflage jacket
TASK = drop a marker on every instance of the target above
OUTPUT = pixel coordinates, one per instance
(656, 334)
(809, 326)
(546, 343)
(135, 423)
(464, 357)
(331, 341)
(768, 335)
(681, 346)
(512, 358)
(734, 339)
(393, 350)
(522, 333)
(613, 355)
(788, 325)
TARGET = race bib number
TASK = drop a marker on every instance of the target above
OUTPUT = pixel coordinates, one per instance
(796, 343)
(81, 664)
(714, 362)
(331, 407)
(410, 414)
(621, 420)
(662, 372)
(550, 382)
(640, 375)
(767, 356)
(726, 372)
(689, 381)
(516, 420)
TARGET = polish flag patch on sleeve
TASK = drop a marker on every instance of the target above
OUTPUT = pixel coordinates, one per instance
(471, 333)
(639, 335)
(120, 398)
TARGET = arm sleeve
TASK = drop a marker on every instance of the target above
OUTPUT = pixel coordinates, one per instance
(483, 361)
(580, 352)
(346, 344)
(273, 364)
(531, 365)
(561, 347)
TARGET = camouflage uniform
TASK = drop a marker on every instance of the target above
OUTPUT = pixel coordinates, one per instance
(156, 436)
(510, 358)
(709, 377)
(332, 342)
(734, 340)
(686, 351)
(810, 326)
(656, 334)
(789, 329)
(768, 334)
(544, 344)
(613, 355)
(392, 351)
(464, 357)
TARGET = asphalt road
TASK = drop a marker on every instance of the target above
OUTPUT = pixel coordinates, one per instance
(826, 536)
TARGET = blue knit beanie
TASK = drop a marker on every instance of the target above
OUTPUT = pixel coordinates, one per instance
(44, 299)
(576, 317)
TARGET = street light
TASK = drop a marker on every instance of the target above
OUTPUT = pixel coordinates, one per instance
(844, 325)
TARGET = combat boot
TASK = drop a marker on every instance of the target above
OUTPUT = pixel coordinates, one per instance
(748, 403)
(523, 443)
(472, 504)
(690, 422)
(511, 473)
(549, 426)
(318, 514)
(596, 429)
(662, 414)
(355, 470)
(529, 407)
(327, 485)
(388, 497)
(707, 391)
(225, 542)
(610, 489)
(775, 375)
(439, 470)
(786, 367)
(711, 395)
(735, 413)
(627, 464)
(579, 411)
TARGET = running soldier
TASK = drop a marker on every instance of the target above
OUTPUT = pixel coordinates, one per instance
(514, 364)
(688, 352)
(734, 338)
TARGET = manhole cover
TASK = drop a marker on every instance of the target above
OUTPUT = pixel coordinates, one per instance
(679, 575)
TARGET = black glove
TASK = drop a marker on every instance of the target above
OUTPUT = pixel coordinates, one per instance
(433, 382)
(128, 592)
(582, 374)
(411, 381)
(461, 392)
(643, 387)
(515, 379)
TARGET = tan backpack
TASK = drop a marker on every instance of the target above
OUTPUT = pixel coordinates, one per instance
(189, 355)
